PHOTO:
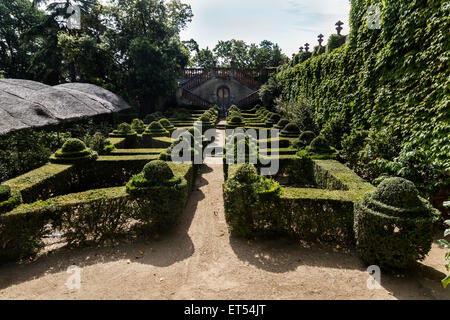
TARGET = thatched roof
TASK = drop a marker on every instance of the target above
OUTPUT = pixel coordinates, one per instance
(29, 104)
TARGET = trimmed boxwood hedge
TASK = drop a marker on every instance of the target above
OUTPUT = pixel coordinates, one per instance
(325, 212)
(93, 215)
(73, 198)
(394, 226)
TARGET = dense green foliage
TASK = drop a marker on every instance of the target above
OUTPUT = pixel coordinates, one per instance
(395, 78)
(264, 55)
(394, 227)
(131, 47)
(247, 198)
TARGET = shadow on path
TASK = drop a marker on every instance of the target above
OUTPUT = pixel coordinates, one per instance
(171, 247)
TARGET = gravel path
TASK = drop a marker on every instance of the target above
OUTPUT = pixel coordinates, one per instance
(200, 260)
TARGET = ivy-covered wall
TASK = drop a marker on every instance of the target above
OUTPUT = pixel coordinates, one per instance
(395, 77)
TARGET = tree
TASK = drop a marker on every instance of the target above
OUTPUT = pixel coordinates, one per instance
(204, 58)
(16, 17)
(266, 55)
(232, 51)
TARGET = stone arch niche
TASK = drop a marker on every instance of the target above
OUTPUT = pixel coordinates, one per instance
(223, 97)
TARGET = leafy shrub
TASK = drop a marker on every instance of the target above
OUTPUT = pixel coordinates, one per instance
(381, 146)
(299, 112)
(73, 145)
(248, 200)
(301, 57)
(335, 41)
(124, 128)
(319, 145)
(335, 129)
(269, 92)
(73, 151)
(5, 192)
(138, 125)
(304, 140)
(156, 116)
(352, 144)
(394, 227)
(281, 124)
(166, 124)
(290, 130)
(99, 143)
(318, 50)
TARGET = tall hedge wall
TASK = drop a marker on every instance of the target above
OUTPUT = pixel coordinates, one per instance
(395, 77)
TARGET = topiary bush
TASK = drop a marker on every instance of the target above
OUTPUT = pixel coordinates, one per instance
(138, 125)
(273, 119)
(167, 124)
(394, 227)
(73, 151)
(124, 130)
(319, 145)
(99, 143)
(304, 140)
(156, 129)
(156, 116)
(160, 194)
(281, 124)
(8, 200)
(291, 130)
(250, 201)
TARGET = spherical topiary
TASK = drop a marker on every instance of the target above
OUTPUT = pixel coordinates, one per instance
(397, 192)
(307, 137)
(246, 173)
(73, 150)
(156, 173)
(166, 124)
(304, 139)
(149, 118)
(319, 145)
(156, 129)
(281, 124)
(394, 227)
(123, 130)
(236, 120)
(138, 125)
(291, 130)
(73, 145)
(5, 193)
(157, 170)
(273, 119)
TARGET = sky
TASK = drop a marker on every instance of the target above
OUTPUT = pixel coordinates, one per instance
(290, 23)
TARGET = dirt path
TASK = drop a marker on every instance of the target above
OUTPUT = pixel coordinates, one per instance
(200, 260)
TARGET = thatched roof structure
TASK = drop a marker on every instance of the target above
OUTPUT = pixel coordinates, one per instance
(29, 104)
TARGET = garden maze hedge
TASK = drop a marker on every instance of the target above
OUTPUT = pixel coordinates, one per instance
(91, 199)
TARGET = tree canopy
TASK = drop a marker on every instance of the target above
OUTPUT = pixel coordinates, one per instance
(131, 47)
